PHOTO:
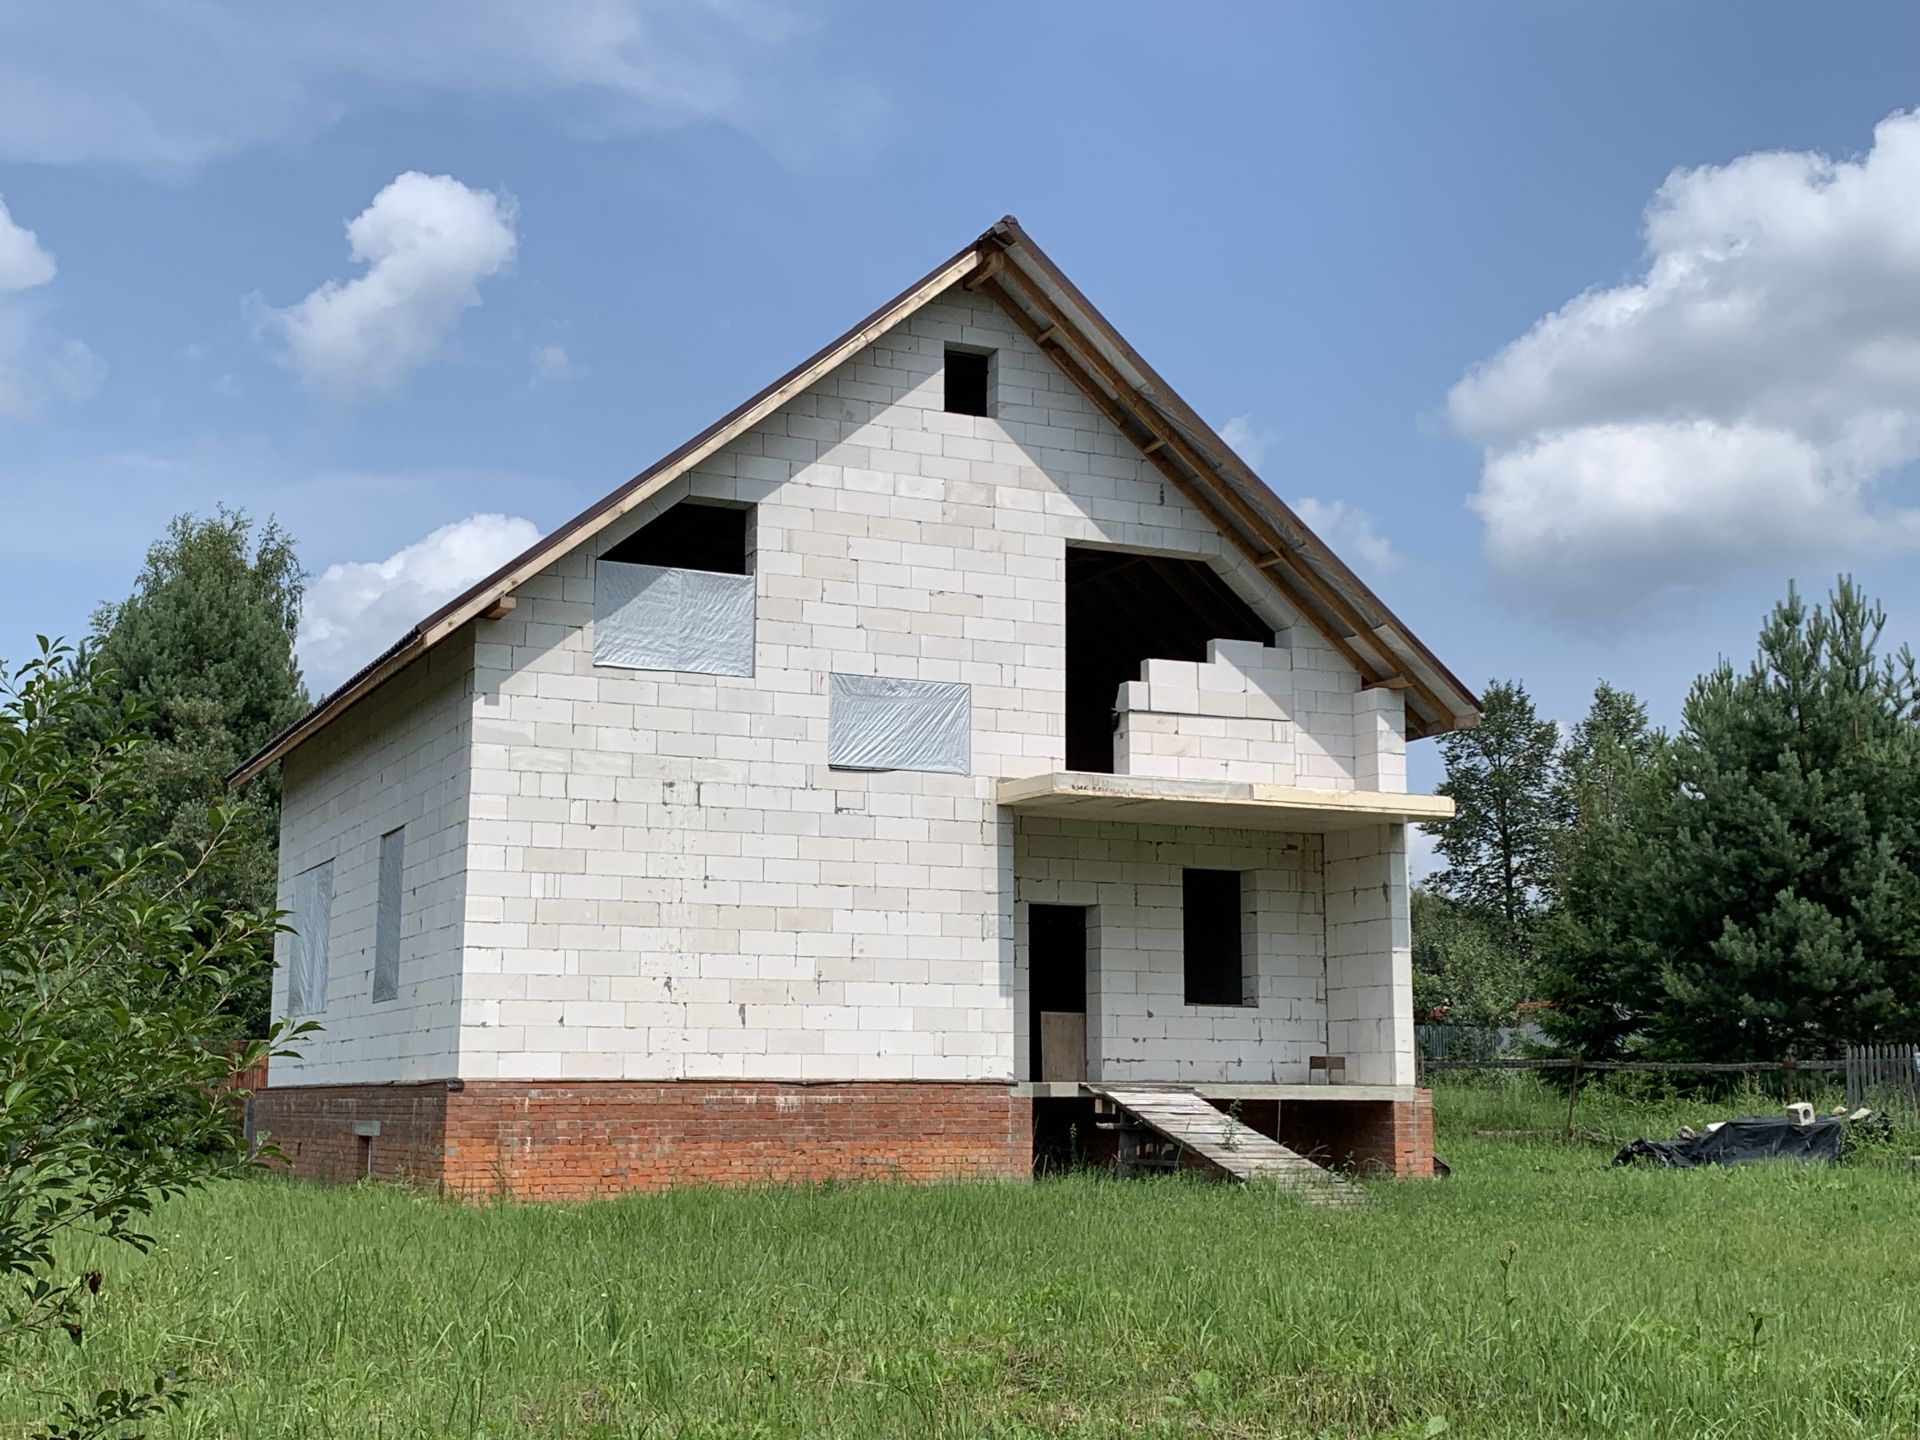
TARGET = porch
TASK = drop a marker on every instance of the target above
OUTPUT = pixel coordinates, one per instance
(1246, 943)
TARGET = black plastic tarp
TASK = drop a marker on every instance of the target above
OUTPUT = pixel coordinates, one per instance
(1741, 1142)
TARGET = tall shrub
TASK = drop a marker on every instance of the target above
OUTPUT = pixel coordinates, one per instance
(116, 975)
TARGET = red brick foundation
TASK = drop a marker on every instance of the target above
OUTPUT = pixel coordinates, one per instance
(572, 1141)
(1368, 1137)
(313, 1125)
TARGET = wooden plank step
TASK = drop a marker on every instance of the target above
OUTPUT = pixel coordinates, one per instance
(1238, 1150)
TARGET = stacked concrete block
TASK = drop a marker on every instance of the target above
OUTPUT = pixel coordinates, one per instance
(1369, 954)
(1140, 1026)
(1380, 741)
(1324, 687)
(1226, 719)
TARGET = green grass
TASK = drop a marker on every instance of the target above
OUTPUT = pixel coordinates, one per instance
(1536, 1293)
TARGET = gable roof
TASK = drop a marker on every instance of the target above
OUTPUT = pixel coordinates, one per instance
(1007, 266)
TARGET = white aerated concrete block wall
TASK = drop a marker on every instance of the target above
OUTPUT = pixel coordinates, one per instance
(665, 878)
(669, 880)
(400, 757)
(1369, 954)
(1227, 719)
(1140, 1026)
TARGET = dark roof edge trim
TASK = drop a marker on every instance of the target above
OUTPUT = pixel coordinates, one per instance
(1010, 233)
(595, 517)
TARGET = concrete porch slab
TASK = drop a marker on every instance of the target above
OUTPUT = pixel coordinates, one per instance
(1084, 795)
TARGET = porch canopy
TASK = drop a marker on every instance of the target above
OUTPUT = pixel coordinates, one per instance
(1084, 795)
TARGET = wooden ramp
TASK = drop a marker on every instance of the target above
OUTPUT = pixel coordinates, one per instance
(1242, 1152)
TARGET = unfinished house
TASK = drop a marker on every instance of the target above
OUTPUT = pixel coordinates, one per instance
(955, 749)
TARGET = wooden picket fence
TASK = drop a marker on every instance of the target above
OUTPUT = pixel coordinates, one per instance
(1884, 1077)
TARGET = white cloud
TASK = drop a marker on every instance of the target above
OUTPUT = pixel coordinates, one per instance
(551, 364)
(24, 261)
(427, 242)
(356, 610)
(172, 84)
(35, 368)
(1751, 399)
(74, 372)
(1249, 440)
(1349, 531)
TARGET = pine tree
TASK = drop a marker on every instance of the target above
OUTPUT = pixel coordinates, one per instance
(204, 646)
(1781, 901)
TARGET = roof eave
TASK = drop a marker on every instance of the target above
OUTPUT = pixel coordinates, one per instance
(1402, 655)
(472, 602)
(1447, 703)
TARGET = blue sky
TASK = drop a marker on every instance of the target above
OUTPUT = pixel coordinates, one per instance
(1572, 417)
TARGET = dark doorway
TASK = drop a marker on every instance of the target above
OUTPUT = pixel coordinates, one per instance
(1123, 609)
(1057, 991)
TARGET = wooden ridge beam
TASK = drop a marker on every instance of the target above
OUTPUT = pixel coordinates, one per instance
(989, 267)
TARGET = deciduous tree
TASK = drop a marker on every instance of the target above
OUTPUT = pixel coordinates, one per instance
(1499, 844)
(116, 975)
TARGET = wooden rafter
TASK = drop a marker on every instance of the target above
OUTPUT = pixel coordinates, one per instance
(1279, 553)
(1200, 498)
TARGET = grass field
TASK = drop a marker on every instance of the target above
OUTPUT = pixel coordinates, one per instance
(1536, 1293)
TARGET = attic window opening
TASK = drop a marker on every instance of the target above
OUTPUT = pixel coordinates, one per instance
(969, 381)
(1124, 609)
(693, 535)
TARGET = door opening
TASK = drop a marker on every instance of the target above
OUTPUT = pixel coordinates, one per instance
(1057, 991)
